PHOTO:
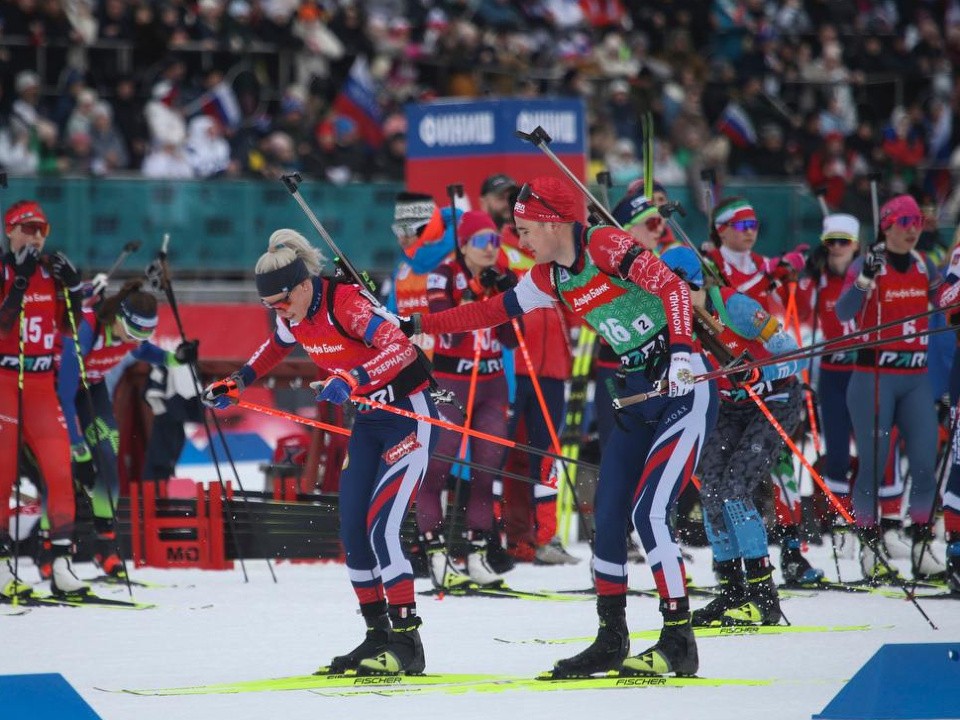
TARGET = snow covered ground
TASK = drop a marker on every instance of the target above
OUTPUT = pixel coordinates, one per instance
(212, 627)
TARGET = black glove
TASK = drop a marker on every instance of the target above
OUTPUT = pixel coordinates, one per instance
(816, 263)
(874, 261)
(186, 352)
(410, 326)
(490, 278)
(65, 271)
(24, 265)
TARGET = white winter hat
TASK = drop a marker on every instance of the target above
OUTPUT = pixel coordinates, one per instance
(842, 225)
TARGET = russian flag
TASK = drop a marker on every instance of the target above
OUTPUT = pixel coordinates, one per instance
(736, 125)
(357, 100)
(221, 104)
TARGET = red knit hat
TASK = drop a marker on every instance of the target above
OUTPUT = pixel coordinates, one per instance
(898, 207)
(24, 211)
(549, 199)
(473, 222)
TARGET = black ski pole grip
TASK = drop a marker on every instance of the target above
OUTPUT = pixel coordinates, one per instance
(291, 181)
(538, 137)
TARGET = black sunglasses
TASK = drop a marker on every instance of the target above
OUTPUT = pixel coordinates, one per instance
(841, 241)
(527, 192)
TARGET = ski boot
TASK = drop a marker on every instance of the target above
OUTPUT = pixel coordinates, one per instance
(896, 543)
(554, 553)
(795, 568)
(733, 594)
(403, 654)
(63, 581)
(10, 585)
(374, 643)
(478, 569)
(106, 558)
(872, 557)
(498, 558)
(763, 602)
(924, 564)
(443, 573)
(610, 648)
(953, 562)
(676, 650)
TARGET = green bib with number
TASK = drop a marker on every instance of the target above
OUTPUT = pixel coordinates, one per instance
(630, 319)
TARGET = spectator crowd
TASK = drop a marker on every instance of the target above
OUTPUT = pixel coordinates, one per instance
(824, 91)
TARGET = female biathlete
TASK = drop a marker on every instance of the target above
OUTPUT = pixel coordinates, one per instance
(33, 320)
(890, 384)
(472, 277)
(118, 331)
(643, 310)
(734, 232)
(387, 456)
(817, 295)
(740, 452)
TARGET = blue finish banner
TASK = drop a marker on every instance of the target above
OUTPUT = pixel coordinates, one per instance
(448, 128)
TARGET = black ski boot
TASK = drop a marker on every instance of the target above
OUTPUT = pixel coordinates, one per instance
(375, 642)
(675, 651)
(610, 648)
(953, 562)
(732, 595)
(763, 602)
(404, 652)
(795, 568)
(497, 557)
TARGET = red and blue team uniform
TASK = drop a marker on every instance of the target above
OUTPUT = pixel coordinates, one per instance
(652, 454)
(950, 295)
(388, 454)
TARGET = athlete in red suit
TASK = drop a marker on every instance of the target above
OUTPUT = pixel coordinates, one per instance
(33, 288)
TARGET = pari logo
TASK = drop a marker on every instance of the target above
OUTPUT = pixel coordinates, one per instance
(456, 129)
(561, 126)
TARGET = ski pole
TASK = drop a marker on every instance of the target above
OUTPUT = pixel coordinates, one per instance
(367, 402)
(548, 421)
(541, 140)
(100, 280)
(162, 278)
(292, 182)
(604, 183)
(21, 358)
(94, 419)
(800, 354)
(464, 441)
(804, 372)
(833, 498)
(345, 432)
